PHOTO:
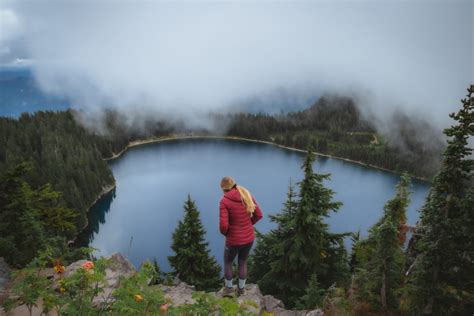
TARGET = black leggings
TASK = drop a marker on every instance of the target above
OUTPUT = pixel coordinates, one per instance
(229, 255)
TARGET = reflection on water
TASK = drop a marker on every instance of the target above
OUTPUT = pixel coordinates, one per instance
(139, 216)
(96, 217)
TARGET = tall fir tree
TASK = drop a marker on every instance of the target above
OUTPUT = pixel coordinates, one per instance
(268, 248)
(192, 262)
(302, 244)
(379, 259)
(442, 278)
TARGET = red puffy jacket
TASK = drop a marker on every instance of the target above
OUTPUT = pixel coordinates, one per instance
(234, 221)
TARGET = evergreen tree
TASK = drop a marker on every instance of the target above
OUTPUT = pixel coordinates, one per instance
(192, 262)
(314, 295)
(158, 275)
(355, 241)
(443, 272)
(302, 244)
(381, 258)
(268, 248)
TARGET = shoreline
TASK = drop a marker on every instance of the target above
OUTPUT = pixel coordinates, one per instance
(170, 138)
(105, 190)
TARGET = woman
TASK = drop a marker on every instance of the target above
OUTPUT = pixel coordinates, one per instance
(238, 212)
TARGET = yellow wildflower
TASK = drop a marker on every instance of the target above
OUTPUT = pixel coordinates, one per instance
(59, 268)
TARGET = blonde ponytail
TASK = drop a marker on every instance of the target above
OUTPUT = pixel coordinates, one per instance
(247, 199)
(227, 183)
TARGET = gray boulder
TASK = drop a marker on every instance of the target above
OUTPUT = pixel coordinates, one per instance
(271, 303)
(180, 294)
(253, 299)
(316, 312)
(118, 268)
(73, 267)
(283, 312)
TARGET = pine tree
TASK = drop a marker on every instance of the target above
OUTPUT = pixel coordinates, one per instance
(192, 262)
(269, 246)
(443, 272)
(302, 244)
(158, 276)
(314, 295)
(285, 220)
(379, 258)
(355, 241)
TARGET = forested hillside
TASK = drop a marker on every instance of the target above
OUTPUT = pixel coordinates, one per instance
(61, 152)
(335, 126)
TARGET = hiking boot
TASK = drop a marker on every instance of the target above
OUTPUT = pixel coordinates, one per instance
(240, 291)
(228, 292)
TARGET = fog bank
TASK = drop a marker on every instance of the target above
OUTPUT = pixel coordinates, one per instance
(186, 58)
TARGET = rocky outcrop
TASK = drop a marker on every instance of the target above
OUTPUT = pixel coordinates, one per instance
(180, 294)
(267, 303)
(253, 300)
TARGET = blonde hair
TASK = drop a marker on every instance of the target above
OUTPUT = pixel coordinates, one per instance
(227, 183)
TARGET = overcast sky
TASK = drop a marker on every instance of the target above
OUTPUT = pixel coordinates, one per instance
(182, 56)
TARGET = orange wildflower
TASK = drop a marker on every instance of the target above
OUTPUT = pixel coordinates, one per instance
(88, 265)
(164, 308)
(138, 298)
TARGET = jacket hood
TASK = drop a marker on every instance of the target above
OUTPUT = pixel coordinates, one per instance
(233, 195)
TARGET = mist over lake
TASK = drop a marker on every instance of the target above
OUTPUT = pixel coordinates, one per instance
(140, 215)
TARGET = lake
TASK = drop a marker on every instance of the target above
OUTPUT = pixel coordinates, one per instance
(153, 181)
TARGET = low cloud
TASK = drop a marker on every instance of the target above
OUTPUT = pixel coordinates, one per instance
(10, 30)
(184, 58)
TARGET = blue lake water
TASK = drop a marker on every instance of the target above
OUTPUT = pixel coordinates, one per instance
(139, 217)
